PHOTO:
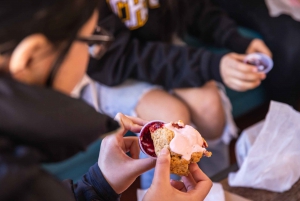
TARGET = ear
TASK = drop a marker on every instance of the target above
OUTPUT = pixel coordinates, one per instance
(25, 52)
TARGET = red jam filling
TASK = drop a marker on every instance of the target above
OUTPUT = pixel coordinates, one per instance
(176, 125)
(146, 140)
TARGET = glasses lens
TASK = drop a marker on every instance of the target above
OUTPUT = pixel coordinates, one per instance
(99, 42)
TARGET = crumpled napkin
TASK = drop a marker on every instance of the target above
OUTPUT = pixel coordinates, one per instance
(273, 161)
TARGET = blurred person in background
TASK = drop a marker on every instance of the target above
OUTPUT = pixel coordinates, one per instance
(278, 22)
(159, 77)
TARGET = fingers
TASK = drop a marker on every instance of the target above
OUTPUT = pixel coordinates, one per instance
(137, 120)
(203, 185)
(238, 57)
(179, 185)
(139, 166)
(133, 124)
(236, 62)
(244, 68)
(162, 169)
(239, 76)
(132, 145)
(197, 173)
(248, 77)
(189, 182)
(240, 85)
(258, 45)
(264, 49)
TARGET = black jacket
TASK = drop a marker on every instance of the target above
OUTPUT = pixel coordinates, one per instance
(146, 53)
(39, 125)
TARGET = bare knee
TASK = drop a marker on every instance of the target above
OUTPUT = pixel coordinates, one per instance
(211, 105)
(160, 105)
(211, 108)
(206, 108)
(180, 111)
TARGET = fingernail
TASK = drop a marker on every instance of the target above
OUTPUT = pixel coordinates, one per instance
(164, 151)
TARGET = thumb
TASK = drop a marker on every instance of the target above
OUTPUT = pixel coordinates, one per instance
(162, 169)
(239, 57)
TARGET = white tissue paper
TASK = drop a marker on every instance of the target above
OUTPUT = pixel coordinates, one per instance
(288, 7)
(246, 140)
(216, 193)
(273, 161)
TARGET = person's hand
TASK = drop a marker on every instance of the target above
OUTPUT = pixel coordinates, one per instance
(193, 187)
(238, 75)
(120, 170)
(258, 45)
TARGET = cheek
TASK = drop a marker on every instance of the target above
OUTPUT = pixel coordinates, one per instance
(72, 69)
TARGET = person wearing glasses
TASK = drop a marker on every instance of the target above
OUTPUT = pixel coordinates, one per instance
(159, 77)
(43, 55)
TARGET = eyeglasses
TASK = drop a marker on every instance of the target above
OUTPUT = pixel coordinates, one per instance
(98, 43)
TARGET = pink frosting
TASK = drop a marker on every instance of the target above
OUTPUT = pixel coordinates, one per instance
(186, 141)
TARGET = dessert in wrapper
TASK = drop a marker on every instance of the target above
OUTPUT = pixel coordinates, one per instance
(185, 143)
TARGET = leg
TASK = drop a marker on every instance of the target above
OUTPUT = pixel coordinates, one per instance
(159, 104)
(206, 109)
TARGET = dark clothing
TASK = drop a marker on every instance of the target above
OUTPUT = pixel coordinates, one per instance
(281, 34)
(40, 125)
(146, 53)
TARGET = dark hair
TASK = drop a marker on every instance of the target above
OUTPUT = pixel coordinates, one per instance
(58, 20)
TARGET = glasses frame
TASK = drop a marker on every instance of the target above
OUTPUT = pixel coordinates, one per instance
(100, 36)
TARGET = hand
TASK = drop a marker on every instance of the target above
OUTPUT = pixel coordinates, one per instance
(237, 75)
(258, 45)
(120, 170)
(195, 187)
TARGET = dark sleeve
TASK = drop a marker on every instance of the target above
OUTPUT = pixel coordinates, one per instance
(155, 62)
(211, 24)
(92, 186)
(54, 123)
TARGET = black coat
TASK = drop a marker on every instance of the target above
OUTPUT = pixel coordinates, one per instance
(146, 52)
(39, 125)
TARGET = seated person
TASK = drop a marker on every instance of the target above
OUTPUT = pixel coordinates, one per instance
(158, 79)
(43, 54)
(280, 30)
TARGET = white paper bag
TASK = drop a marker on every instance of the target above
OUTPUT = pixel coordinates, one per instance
(273, 162)
(246, 141)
